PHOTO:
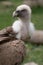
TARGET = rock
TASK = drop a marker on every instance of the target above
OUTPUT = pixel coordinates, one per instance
(7, 3)
(31, 63)
(34, 2)
(31, 3)
(40, 2)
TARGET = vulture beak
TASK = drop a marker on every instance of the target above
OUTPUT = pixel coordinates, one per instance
(15, 14)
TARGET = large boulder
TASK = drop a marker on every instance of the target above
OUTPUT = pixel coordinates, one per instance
(34, 3)
(31, 63)
(31, 3)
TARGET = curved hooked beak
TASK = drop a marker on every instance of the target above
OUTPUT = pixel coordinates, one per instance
(15, 14)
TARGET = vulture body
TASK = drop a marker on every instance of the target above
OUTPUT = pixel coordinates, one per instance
(12, 52)
(23, 28)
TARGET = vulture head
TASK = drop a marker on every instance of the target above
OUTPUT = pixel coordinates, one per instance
(23, 12)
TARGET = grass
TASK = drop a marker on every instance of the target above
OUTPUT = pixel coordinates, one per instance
(34, 52)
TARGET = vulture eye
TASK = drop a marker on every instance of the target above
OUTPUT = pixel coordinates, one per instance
(18, 11)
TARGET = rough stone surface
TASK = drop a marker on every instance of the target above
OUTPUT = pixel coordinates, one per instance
(34, 2)
(7, 3)
(31, 63)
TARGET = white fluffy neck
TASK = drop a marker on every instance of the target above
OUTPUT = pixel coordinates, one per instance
(31, 28)
(27, 19)
(29, 25)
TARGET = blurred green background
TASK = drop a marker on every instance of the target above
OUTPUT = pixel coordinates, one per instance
(34, 52)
